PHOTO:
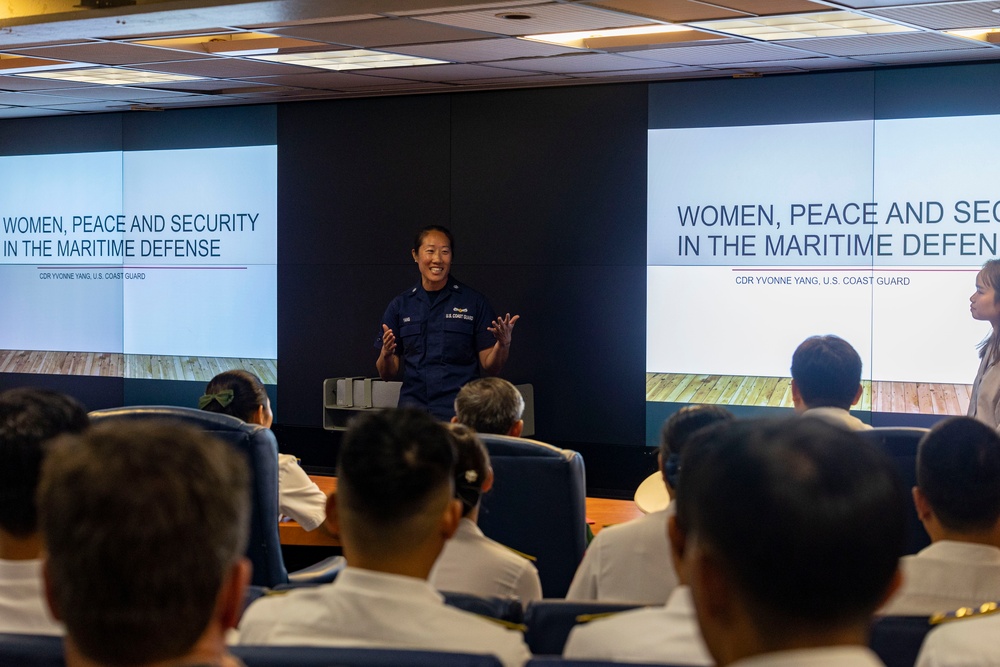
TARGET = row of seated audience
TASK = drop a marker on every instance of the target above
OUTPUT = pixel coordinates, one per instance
(782, 542)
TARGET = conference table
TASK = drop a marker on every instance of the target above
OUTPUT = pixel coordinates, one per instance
(601, 512)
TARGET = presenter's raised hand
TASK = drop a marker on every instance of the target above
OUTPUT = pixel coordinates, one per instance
(388, 340)
(502, 329)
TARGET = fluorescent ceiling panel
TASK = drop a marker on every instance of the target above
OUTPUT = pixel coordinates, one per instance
(110, 76)
(349, 59)
(804, 26)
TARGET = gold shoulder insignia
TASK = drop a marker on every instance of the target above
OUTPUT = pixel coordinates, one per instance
(984, 609)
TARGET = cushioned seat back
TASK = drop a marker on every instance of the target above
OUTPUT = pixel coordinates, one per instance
(308, 656)
(900, 444)
(260, 449)
(537, 506)
(897, 639)
(509, 610)
(31, 651)
(549, 622)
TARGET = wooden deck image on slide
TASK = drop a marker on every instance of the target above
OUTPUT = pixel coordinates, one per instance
(907, 397)
(139, 366)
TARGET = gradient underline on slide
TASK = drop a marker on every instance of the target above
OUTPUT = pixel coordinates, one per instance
(171, 268)
(865, 269)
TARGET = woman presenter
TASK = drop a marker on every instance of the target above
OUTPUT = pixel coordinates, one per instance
(440, 333)
(984, 404)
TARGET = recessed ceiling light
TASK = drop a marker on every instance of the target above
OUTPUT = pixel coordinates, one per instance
(601, 38)
(348, 59)
(232, 44)
(804, 26)
(990, 35)
(110, 76)
(515, 16)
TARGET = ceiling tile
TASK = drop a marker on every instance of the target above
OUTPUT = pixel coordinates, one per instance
(672, 11)
(939, 56)
(34, 100)
(549, 17)
(225, 68)
(27, 83)
(108, 53)
(524, 78)
(585, 62)
(946, 16)
(325, 80)
(861, 45)
(379, 33)
(485, 50)
(110, 93)
(450, 72)
(498, 6)
(28, 112)
(718, 54)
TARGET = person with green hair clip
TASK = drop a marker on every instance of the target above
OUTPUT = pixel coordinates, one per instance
(241, 394)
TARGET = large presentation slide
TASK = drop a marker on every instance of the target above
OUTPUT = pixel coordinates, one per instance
(152, 264)
(873, 230)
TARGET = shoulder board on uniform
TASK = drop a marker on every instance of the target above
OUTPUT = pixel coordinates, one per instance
(521, 553)
(985, 609)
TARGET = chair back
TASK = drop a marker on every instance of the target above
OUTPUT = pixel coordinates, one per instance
(900, 444)
(537, 506)
(897, 639)
(31, 650)
(508, 610)
(260, 450)
(549, 622)
(312, 656)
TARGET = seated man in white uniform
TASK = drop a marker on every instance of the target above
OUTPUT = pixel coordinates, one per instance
(792, 532)
(966, 641)
(665, 633)
(490, 405)
(958, 500)
(145, 525)
(471, 562)
(29, 419)
(826, 381)
(393, 511)
(631, 562)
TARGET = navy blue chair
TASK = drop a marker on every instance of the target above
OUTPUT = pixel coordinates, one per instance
(308, 656)
(549, 622)
(897, 639)
(260, 449)
(538, 506)
(900, 444)
(31, 650)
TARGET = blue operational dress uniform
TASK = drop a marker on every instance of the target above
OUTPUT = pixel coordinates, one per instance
(439, 342)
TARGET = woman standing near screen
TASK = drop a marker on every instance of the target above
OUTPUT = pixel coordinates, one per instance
(241, 394)
(984, 404)
(440, 333)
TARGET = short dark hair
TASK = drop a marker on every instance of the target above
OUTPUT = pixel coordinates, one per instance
(489, 405)
(807, 518)
(424, 231)
(958, 471)
(248, 394)
(142, 522)
(391, 463)
(679, 429)
(472, 466)
(29, 420)
(827, 371)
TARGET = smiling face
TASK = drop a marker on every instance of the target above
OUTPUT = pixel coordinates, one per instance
(983, 302)
(434, 259)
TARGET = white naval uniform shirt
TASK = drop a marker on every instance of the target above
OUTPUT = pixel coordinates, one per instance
(946, 575)
(473, 563)
(23, 609)
(298, 496)
(969, 642)
(667, 634)
(364, 608)
(829, 656)
(629, 562)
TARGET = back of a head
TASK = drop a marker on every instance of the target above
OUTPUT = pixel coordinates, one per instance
(678, 430)
(393, 465)
(142, 522)
(827, 371)
(958, 472)
(489, 405)
(472, 466)
(807, 519)
(29, 420)
(237, 393)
